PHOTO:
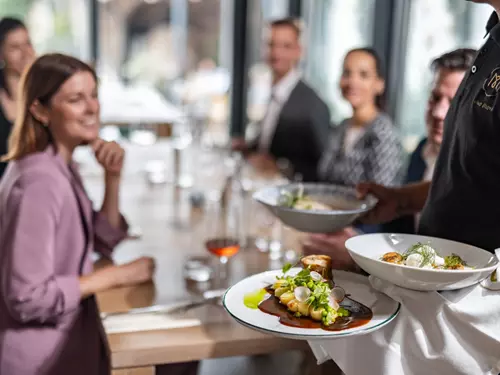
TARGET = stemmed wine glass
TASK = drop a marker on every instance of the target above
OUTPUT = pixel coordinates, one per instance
(222, 233)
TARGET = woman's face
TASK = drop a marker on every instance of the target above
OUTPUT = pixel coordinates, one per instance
(73, 112)
(16, 51)
(360, 83)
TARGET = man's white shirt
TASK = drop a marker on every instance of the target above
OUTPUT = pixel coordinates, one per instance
(279, 95)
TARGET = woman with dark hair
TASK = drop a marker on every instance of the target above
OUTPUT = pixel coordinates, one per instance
(49, 319)
(366, 146)
(16, 53)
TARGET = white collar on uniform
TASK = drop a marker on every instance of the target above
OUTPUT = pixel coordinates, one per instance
(430, 153)
(284, 87)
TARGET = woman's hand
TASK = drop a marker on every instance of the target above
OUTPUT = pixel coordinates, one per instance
(109, 155)
(133, 273)
(136, 272)
(332, 245)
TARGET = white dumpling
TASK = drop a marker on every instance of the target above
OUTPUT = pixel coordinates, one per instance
(286, 297)
(438, 261)
(293, 305)
(303, 308)
(414, 260)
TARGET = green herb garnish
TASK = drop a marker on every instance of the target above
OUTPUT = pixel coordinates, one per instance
(343, 312)
(286, 268)
(288, 199)
(320, 292)
(453, 261)
(493, 277)
(427, 253)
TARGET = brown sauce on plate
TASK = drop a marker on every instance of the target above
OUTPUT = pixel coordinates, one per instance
(359, 315)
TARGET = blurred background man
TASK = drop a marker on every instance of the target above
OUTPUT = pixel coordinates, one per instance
(296, 125)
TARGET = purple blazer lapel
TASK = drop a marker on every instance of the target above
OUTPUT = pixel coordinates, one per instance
(83, 201)
(85, 205)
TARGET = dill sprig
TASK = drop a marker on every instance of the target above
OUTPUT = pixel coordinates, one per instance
(427, 253)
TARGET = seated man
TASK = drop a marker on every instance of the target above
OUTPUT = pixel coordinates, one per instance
(449, 70)
(297, 122)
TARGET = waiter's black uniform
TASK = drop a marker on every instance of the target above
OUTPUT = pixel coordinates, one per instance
(464, 201)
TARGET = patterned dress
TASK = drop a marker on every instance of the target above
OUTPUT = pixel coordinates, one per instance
(375, 156)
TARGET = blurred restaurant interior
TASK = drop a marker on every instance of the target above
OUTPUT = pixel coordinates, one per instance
(178, 81)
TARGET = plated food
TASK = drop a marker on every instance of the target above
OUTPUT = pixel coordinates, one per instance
(314, 208)
(420, 262)
(425, 256)
(310, 298)
(299, 201)
(307, 303)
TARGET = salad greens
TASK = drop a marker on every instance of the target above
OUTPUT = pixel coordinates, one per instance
(453, 261)
(289, 199)
(319, 301)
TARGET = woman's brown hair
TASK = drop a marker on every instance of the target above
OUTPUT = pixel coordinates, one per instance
(40, 82)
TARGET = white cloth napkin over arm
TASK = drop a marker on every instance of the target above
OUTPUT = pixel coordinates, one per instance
(455, 333)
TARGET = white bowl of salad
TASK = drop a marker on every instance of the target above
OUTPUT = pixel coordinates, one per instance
(315, 208)
(420, 262)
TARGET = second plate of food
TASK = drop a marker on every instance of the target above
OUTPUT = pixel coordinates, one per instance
(306, 304)
(314, 208)
(421, 262)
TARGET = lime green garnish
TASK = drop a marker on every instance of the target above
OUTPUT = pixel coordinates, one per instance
(252, 300)
(343, 312)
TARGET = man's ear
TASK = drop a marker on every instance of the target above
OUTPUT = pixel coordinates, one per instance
(39, 112)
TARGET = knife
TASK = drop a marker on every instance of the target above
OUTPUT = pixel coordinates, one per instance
(208, 297)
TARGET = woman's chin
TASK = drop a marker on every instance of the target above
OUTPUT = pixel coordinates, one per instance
(88, 140)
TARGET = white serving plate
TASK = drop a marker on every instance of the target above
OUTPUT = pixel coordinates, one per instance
(384, 309)
(366, 250)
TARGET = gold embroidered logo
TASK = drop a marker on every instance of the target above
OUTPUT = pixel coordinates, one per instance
(492, 84)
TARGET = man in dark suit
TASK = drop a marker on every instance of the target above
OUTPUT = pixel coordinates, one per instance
(296, 125)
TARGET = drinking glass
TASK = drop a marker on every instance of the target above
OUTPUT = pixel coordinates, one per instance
(222, 234)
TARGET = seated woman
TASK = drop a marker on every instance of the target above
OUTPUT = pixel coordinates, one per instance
(16, 53)
(366, 146)
(49, 319)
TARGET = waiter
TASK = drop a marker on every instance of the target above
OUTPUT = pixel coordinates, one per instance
(463, 203)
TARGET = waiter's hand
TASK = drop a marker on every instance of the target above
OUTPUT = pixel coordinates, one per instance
(239, 144)
(263, 162)
(332, 245)
(109, 155)
(388, 206)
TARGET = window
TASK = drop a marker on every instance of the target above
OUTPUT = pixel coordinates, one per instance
(178, 48)
(54, 25)
(333, 27)
(436, 27)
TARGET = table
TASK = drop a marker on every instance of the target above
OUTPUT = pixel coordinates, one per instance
(167, 223)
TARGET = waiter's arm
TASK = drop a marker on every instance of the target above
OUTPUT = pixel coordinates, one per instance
(412, 197)
(394, 202)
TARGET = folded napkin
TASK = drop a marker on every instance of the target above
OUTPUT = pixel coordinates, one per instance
(146, 322)
(445, 333)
